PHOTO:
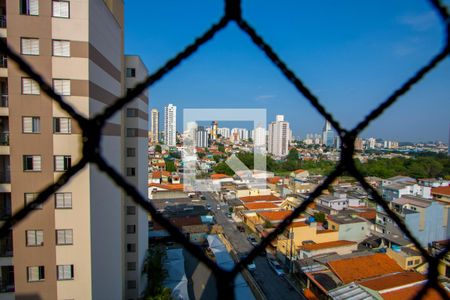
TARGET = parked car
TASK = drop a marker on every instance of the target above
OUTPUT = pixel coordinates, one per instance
(218, 207)
(276, 267)
(251, 265)
(229, 215)
(208, 207)
(252, 240)
(202, 197)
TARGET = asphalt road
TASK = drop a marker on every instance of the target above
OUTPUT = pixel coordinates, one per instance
(274, 287)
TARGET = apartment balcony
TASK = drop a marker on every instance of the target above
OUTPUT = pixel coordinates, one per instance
(2, 21)
(4, 138)
(5, 206)
(5, 173)
(3, 65)
(3, 100)
(6, 246)
(7, 279)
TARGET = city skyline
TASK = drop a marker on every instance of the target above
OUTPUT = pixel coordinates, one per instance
(350, 68)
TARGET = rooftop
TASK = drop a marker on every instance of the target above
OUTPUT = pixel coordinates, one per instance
(259, 205)
(275, 215)
(409, 293)
(260, 198)
(442, 190)
(416, 201)
(178, 186)
(393, 280)
(327, 245)
(346, 219)
(219, 176)
(356, 268)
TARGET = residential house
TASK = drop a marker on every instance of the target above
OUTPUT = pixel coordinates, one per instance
(340, 247)
(350, 227)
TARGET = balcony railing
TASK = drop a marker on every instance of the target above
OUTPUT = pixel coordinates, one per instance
(3, 100)
(3, 61)
(2, 21)
(4, 138)
(6, 286)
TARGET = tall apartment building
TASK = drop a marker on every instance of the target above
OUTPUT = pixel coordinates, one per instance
(170, 125)
(75, 245)
(154, 126)
(278, 142)
(136, 162)
(328, 135)
(201, 137)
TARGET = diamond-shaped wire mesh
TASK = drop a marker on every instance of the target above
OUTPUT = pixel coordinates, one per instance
(91, 132)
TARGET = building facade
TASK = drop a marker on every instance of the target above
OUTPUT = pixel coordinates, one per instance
(278, 142)
(72, 246)
(154, 126)
(170, 125)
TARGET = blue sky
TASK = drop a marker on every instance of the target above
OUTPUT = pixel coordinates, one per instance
(352, 54)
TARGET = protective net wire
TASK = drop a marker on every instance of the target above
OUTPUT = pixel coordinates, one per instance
(92, 129)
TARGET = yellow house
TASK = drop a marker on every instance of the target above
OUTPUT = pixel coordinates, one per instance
(290, 242)
(406, 258)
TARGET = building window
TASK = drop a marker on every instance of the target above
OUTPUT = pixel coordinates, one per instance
(30, 87)
(131, 266)
(131, 152)
(30, 197)
(131, 284)
(29, 46)
(62, 86)
(29, 7)
(35, 238)
(32, 163)
(61, 9)
(64, 272)
(131, 247)
(132, 112)
(62, 162)
(64, 237)
(131, 210)
(61, 48)
(410, 262)
(63, 200)
(132, 132)
(62, 125)
(131, 72)
(36, 273)
(131, 171)
(31, 124)
(131, 229)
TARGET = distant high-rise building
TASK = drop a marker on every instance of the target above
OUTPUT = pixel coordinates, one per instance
(259, 137)
(328, 135)
(243, 134)
(214, 127)
(358, 144)
(154, 126)
(224, 132)
(278, 142)
(201, 137)
(234, 137)
(170, 125)
(371, 143)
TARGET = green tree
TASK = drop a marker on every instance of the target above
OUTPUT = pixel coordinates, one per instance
(292, 155)
(223, 168)
(158, 149)
(201, 154)
(221, 148)
(170, 166)
(155, 273)
(319, 217)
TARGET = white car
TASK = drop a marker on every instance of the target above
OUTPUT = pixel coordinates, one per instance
(276, 267)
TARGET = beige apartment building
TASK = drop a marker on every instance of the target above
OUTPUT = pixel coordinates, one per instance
(88, 241)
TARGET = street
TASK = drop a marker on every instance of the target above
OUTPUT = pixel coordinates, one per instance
(273, 286)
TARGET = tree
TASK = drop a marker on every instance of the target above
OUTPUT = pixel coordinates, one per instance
(170, 166)
(158, 149)
(223, 168)
(293, 155)
(155, 272)
(221, 148)
(201, 154)
(319, 217)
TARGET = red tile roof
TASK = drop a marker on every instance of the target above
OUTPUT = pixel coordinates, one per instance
(442, 190)
(393, 280)
(299, 171)
(410, 292)
(275, 215)
(259, 205)
(177, 186)
(273, 180)
(260, 198)
(327, 245)
(298, 224)
(356, 268)
(219, 176)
